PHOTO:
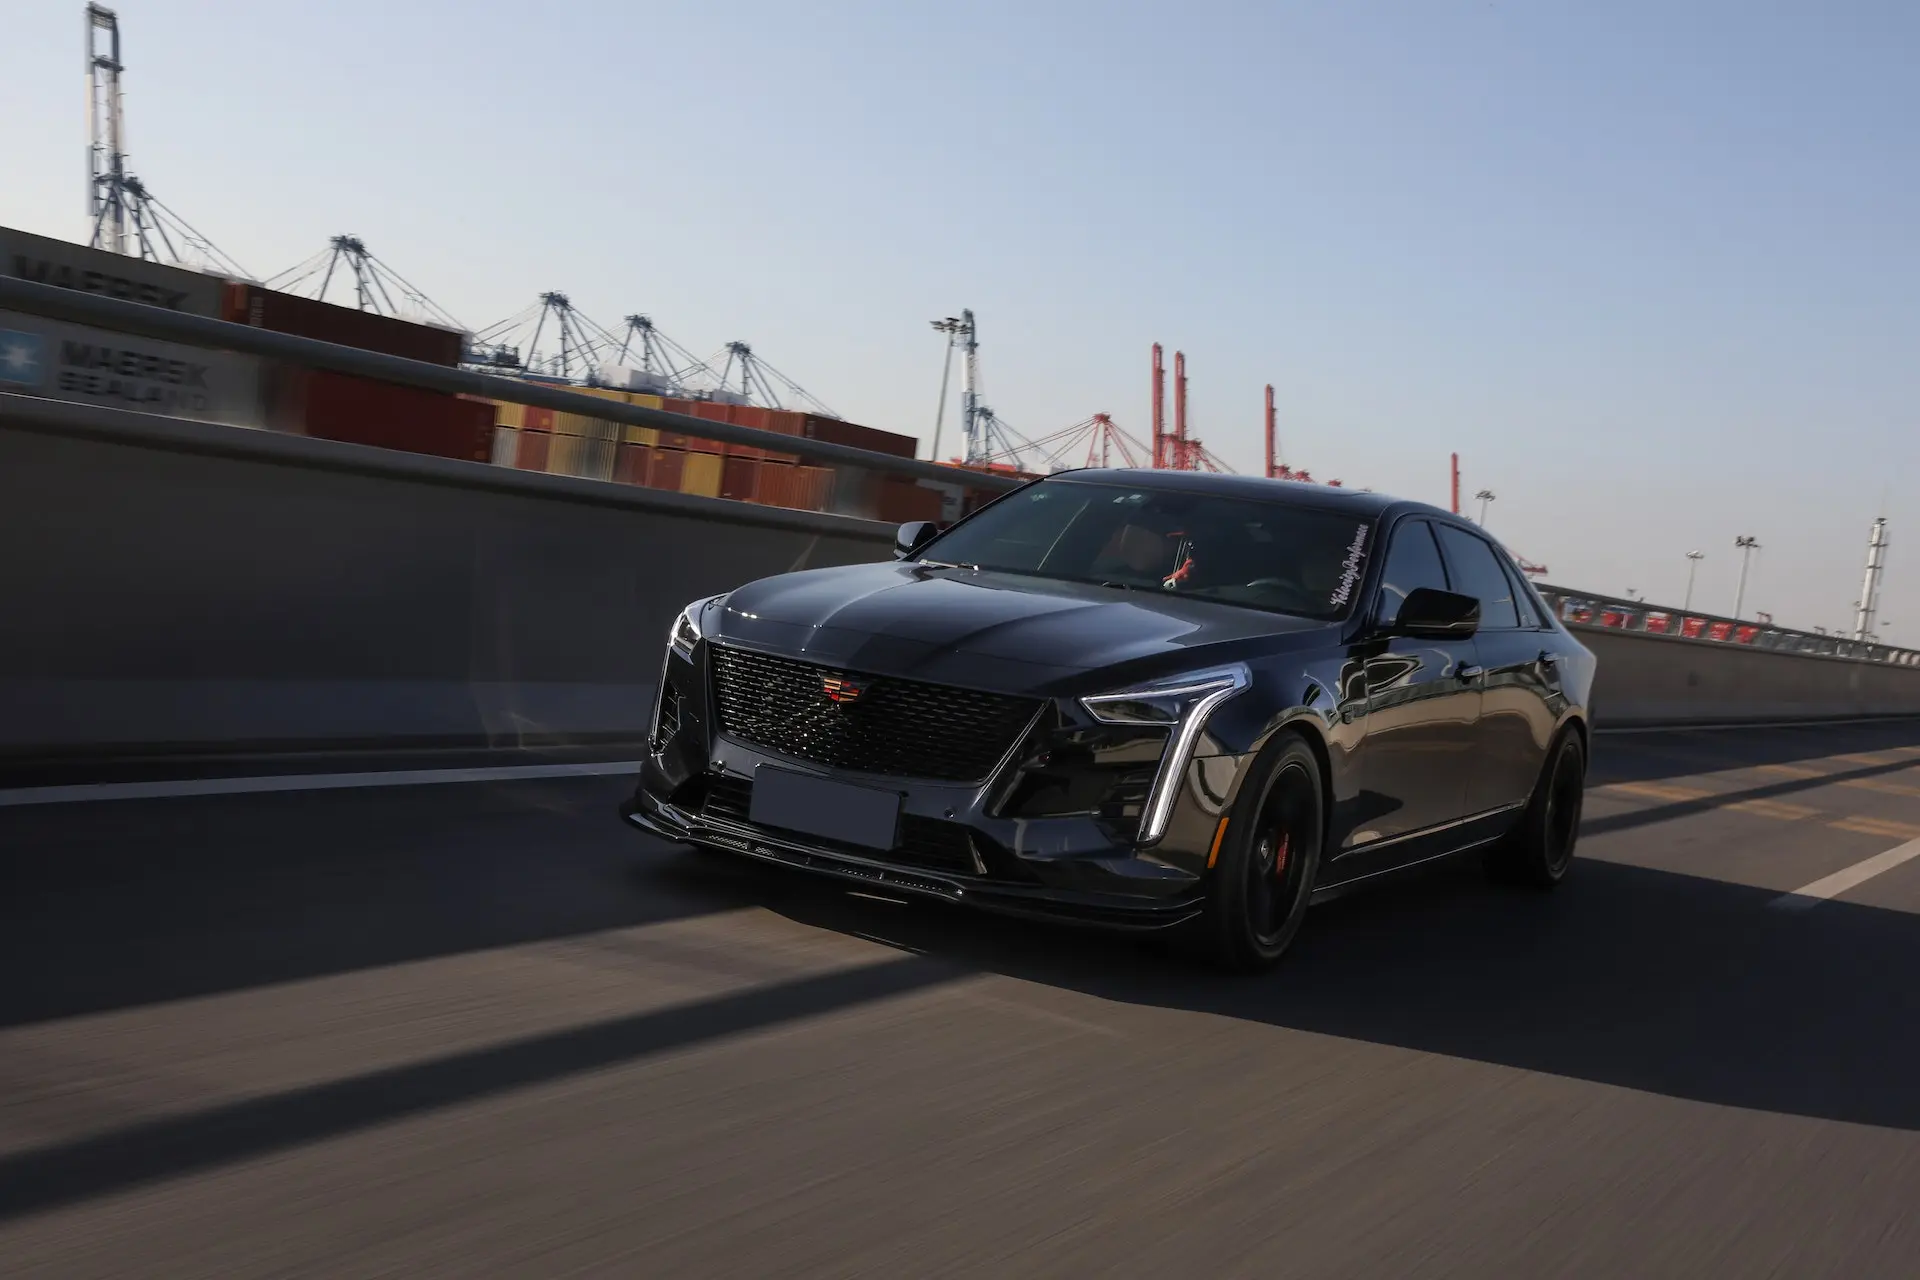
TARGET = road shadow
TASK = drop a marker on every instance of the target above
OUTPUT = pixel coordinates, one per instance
(108, 906)
(1645, 979)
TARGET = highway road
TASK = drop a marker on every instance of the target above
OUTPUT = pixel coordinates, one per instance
(478, 1029)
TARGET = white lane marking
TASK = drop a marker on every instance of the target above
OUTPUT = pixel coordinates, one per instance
(92, 791)
(1829, 887)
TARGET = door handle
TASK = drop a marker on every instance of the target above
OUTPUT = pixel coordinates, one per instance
(1470, 672)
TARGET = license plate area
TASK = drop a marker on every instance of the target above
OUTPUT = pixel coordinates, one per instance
(840, 811)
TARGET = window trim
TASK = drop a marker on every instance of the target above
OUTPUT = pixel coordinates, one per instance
(1500, 562)
(1386, 558)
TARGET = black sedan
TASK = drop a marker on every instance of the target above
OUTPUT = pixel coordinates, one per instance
(1141, 699)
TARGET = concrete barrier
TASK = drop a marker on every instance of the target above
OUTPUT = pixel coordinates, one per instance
(1659, 680)
(173, 586)
(179, 586)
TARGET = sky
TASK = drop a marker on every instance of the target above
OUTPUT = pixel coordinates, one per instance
(1648, 266)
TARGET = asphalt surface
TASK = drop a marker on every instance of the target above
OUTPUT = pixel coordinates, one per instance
(481, 1030)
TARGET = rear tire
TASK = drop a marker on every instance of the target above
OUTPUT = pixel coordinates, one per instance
(1268, 862)
(1539, 851)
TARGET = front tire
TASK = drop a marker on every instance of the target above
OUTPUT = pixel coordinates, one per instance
(1539, 851)
(1268, 862)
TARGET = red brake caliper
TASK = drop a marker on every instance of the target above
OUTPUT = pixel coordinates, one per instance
(1280, 856)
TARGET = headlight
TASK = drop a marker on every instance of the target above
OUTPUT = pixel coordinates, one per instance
(685, 632)
(1182, 706)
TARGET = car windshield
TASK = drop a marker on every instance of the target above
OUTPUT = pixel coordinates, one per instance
(1261, 554)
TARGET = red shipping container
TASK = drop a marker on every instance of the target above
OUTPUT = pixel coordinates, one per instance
(737, 477)
(680, 439)
(390, 416)
(852, 434)
(667, 465)
(902, 500)
(533, 450)
(249, 304)
(537, 419)
(630, 466)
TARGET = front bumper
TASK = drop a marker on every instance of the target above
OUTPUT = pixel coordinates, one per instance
(958, 842)
(1179, 903)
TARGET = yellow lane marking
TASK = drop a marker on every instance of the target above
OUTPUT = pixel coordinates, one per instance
(1885, 788)
(1657, 790)
(1774, 809)
(1866, 758)
(1793, 770)
(1878, 827)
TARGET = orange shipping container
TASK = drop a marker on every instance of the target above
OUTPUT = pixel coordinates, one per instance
(537, 419)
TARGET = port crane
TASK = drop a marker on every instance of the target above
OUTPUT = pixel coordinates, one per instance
(374, 285)
(123, 216)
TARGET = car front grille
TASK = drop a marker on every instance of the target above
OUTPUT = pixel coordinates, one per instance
(927, 843)
(872, 724)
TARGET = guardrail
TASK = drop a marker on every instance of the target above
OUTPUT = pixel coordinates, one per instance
(853, 468)
(1584, 609)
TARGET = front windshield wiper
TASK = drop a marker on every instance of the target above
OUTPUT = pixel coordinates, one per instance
(1121, 586)
(947, 564)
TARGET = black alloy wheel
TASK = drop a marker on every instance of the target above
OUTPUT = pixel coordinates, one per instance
(1539, 851)
(1268, 860)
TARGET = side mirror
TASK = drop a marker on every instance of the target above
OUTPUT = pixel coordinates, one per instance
(913, 535)
(1438, 615)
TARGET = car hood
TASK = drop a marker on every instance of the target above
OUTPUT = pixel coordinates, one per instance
(979, 629)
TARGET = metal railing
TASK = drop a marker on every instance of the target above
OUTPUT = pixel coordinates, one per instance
(854, 470)
(1609, 613)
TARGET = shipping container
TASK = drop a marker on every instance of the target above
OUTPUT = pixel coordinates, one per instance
(701, 475)
(898, 501)
(579, 424)
(508, 414)
(796, 487)
(250, 304)
(537, 419)
(631, 464)
(506, 446)
(664, 468)
(66, 265)
(120, 371)
(385, 414)
(737, 477)
(852, 434)
(533, 450)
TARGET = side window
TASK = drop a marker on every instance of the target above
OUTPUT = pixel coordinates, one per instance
(1413, 561)
(1523, 598)
(1477, 572)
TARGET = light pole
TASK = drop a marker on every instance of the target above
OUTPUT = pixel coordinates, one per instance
(1485, 496)
(1747, 545)
(1693, 566)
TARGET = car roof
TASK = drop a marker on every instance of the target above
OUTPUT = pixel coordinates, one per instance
(1301, 493)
